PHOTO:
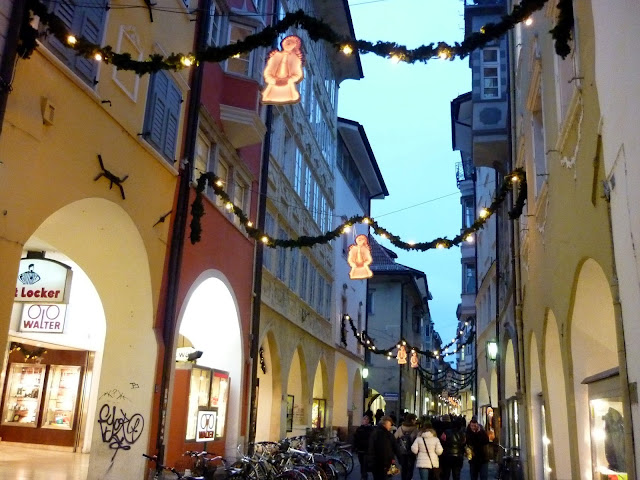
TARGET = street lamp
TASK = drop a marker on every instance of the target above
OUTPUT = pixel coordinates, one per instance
(492, 350)
(365, 372)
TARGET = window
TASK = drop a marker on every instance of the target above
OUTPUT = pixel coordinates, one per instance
(240, 197)
(240, 64)
(304, 269)
(469, 278)
(293, 269)
(204, 159)
(290, 403)
(85, 20)
(370, 302)
(223, 172)
(317, 412)
(320, 304)
(490, 73)
(308, 183)
(327, 299)
(538, 150)
(163, 114)
(311, 300)
(215, 25)
(315, 209)
(297, 175)
(282, 257)
(467, 212)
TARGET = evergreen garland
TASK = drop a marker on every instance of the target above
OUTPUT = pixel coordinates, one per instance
(315, 28)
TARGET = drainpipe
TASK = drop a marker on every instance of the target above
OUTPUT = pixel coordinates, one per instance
(7, 66)
(179, 228)
(257, 268)
(477, 332)
(498, 354)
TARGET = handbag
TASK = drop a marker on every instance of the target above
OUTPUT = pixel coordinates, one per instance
(393, 470)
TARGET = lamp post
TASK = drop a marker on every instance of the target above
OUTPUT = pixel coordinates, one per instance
(492, 350)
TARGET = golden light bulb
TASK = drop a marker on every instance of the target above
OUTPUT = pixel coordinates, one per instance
(528, 21)
(373, 347)
(515, 178)
(346, 49)
(228, 206)
(484, 213)
(237, 55)
(219, 183)
(440, 245)
(411, 243)
(187, 60)
(443, 54)
(347, 228)
(469, 238)
(395, 58)
(72, 40)
(366, 220)
(98, 56)
(265, 239)
(385, 236)
(482, 30)
(249, 223)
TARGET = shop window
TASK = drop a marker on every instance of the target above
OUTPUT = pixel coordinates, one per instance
(607, 425)
(208, 390)
(318, 413)
(87, 20)
(241, 63)
(290, 402)
(163, 114)
(62, 391)
(23, 394)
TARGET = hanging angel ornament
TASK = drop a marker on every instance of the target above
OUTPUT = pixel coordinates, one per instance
(414, 359)
(402, 355)
(282, 72)
(359, 259)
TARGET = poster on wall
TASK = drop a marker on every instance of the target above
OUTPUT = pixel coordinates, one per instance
(206, 426)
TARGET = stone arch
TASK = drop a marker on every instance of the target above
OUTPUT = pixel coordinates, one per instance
(357, 397)
(538, 448)
(218, 334)
(593, 351)
(298, 387)
(493, 387)
(483, 393)
(341, 389)
(510, 383)
(101, 238)
(320, 391)
(556, 411)
(268, 420)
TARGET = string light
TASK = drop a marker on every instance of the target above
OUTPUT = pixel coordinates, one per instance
(249, 224)
(265, 239)
(395, 58)
(187, 60)
(484, 213)
(228, 206)
(528, 22)
(347, 50)
(98, 56)
(72, 40)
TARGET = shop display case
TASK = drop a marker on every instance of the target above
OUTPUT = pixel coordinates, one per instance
(199, 388)
(219, 399)
(23, 394)
(60, 402)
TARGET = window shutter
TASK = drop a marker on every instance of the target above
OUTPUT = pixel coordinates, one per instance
(91, 24)
(174, 98)
(65, 11)
(157, 108)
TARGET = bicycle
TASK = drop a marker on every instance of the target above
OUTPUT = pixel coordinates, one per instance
(160, 467)
(509, 465)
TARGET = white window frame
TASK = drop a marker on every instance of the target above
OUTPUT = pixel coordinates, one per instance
(216, 19)
(244, 58)
(483, 78)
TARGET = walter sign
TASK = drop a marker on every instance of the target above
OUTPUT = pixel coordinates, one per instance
(40, 317)
(206, 427)
(42, 281)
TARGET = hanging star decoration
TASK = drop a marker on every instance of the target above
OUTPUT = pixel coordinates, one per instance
(315, 28)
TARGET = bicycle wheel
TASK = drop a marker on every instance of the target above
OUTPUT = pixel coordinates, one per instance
(346, 457)
(339, 467)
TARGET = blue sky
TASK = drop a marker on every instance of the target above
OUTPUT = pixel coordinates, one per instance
(405, 110)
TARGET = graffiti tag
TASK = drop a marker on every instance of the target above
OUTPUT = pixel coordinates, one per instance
(119, 430)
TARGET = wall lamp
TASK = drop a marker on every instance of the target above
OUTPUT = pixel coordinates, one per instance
(365, 372)
(492, 350)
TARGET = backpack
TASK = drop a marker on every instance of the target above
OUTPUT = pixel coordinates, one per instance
(404, 443)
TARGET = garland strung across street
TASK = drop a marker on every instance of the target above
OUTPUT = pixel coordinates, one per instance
(316, 29)
(401, 347)
(197, 212)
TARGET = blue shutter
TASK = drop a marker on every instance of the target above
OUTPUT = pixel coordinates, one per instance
(163, 114)
(85, 20)
(90, 26)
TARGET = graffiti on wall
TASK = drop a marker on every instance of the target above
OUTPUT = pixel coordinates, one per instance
(119, 428)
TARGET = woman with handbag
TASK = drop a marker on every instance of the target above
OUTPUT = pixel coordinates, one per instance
(428, 448)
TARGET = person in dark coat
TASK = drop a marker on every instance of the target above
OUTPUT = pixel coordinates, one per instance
(407, 459)
(477, 440)
(452, 439)
(360, 444)
(383, 449)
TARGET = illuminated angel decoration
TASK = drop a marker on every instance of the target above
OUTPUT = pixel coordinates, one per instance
(414, 359)
(360, 258)
(402, 355)
(282, 72)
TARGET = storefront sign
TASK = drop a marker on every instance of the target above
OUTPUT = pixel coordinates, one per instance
(182, 353)
(390, 396)
(42, 281)
(206, 426)
(43, 318)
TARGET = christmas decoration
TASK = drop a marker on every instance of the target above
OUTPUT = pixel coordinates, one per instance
(282, 72)
(414, 359)
(197, 211)
(29, 354)
(263, 364)
(316, 29)
(359, 259)
(402, 355)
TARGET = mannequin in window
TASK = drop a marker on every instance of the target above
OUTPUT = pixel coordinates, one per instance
(359, 258)
(282, 72)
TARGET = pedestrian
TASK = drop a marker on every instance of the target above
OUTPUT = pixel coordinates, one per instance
(428, 448)
(453, 441)
(369, 413)
(379, 415)
(477, 441)
(361, 444)
(405, 436)
(382, 450)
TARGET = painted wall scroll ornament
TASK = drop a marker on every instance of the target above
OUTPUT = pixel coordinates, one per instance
(282, 72)
(360, 258)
